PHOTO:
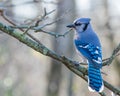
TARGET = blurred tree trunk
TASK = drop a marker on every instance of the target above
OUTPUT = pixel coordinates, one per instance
(111, 36)
(62, 46)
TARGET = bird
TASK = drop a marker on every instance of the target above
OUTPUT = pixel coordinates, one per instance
(88, 44)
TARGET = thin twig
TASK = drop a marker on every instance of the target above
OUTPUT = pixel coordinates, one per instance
(115, 53)
(47, 24)
(43, 17)
(56, 35)
(38, 21)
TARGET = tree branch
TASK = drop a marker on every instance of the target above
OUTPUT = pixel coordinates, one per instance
(39, 47)
(115, 53)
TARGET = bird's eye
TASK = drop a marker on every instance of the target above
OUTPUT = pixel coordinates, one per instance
(78, 24)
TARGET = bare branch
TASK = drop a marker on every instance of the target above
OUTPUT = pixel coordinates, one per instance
(102, 94)
(44, 16)
(115, 53)
(38, 46)
(55, 34)
(8, 20)
(38, 20)
(39, 28)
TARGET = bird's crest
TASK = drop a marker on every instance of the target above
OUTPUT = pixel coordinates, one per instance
(82, 20)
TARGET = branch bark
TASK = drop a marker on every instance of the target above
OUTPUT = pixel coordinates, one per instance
(39, 47)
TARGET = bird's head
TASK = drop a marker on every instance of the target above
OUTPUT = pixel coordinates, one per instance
(80, 24)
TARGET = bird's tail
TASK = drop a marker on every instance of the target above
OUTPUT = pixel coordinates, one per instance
(95, 79)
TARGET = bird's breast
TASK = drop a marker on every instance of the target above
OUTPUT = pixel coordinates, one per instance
(77, 36)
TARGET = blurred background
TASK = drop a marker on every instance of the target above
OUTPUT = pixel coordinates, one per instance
(25, 72)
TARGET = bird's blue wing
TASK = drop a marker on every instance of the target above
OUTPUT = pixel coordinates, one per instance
(91, 52)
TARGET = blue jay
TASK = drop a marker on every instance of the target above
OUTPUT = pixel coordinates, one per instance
(87, 43)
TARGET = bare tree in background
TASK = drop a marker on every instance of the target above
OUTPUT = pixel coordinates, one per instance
(111, 35)
(61, 46)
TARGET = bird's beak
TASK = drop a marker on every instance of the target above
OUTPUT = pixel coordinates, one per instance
(71, 26)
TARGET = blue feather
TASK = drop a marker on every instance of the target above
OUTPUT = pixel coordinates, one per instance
(95, 79)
